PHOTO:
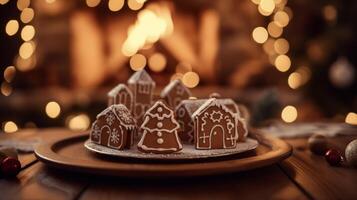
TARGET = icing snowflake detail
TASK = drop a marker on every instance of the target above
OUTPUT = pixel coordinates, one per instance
(110, 119)
(96, 131)
(114, 136)
(216, 116)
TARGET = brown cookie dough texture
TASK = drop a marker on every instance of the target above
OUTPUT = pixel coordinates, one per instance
(174, 93)
(114, 127)
(159, 131)
(121, 94)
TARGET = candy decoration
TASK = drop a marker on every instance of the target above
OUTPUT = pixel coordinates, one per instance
(317, 144)
(10, 167)
(351, 153)
(333, 157)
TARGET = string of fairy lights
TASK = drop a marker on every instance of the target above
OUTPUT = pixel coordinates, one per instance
(140, 37)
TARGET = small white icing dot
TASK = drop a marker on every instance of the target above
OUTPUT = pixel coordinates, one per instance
(160, 141)
(159, 109)
(159, 134)
(159, 124)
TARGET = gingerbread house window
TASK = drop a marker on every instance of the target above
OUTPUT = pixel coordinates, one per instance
(144, 89)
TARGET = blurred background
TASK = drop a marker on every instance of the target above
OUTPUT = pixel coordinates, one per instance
(286, 60)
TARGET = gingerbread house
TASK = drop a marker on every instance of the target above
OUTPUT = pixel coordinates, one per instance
(121, 94)
(187, 107)
(142, 87)
(174, 93)
(214, 126)
(159, 130)
(114, 127)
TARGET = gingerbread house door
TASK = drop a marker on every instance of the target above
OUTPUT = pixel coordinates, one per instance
(104, 135)
(217, 137)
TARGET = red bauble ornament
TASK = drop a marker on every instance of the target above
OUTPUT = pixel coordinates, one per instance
(333, 157)
(10, 167)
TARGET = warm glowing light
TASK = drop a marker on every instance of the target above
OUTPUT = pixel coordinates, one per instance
(22, 4)
(157, 62)
(295, 80)
(50, 1)
(274, 29)
(329, 12)
(183, 67)
(52, 109)
(3, 2)
(92, 3)
(289, 114)
(268, 46)
(27, 33)
(263, 12)
(135, 4)
(25, 64)
(305, 74)
(79, 122)
(282, 63)
(27, 15)
(12, 27)
(267, 5)
(137, 62)
(281, 46)
(6, 89)
(190, 79)
(26, 50)
(281, 18)
(115, 5)
(176, 76)
(260, 35)
(192, 98)
(256, 1)
(10, 127)
(351, 118)
(9, 73)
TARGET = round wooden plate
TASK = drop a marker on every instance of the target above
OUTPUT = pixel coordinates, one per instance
(187, 153)
(68, 152)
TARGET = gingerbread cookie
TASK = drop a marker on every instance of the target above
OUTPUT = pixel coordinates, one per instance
(114, 127)
(121, 94)
(215, 126)
(142, 87)
(159, 130)
(174, 93)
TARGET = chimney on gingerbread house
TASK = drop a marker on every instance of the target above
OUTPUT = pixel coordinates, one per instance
(142, 87)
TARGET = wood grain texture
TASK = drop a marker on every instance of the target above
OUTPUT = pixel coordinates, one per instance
(265, 183)
(314, 175)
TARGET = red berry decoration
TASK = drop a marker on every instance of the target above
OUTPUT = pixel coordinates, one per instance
(333, 157)
(10, 167)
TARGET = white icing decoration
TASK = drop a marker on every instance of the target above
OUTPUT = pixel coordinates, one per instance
(214, 117)
(159, 134)
(159, 109)
(95, 132)
(160, 141)
(159, 124)
(109, 118)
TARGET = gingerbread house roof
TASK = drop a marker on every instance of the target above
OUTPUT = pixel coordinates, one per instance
(210, 102)
(173, 84)
(122, 114)
(141, 77)
(191, 105)
(117, 89)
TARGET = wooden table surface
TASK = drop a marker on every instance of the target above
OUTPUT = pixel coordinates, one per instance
(302, 176)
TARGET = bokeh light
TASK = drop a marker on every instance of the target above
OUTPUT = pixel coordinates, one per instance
(351, 118)
(190, 79)
(12, 27)
(22, 4)
(274, 29)
(78, 122)
(135, 4)
(9, 73)
(294, 80)
(115, 5)
(26, 50)
(282, 63)
(329, 12)
(281, 18)
(281, 46)
(267, 6)
(6, 89)
(137, 62)
(53, 109)
(27, 15)
(157, 62)
(10, 127)
(260, 35)
(289, 114)
(3, 2)
(92, 3)
(28, 32)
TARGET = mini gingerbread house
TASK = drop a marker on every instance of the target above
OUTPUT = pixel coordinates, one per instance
(174, 93)
(142, 87)
(121, 94)
(159, 130)
(214, 126)
(114, 127)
